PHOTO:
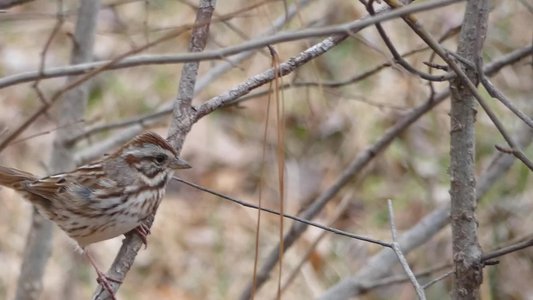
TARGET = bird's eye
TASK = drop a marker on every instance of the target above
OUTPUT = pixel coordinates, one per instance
(160, 158)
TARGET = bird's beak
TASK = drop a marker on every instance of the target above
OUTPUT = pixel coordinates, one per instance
(179, 163)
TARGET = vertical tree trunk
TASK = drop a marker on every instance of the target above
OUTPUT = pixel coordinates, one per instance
(466, 249)
(68, 111)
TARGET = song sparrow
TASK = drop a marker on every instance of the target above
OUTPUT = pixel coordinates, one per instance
(104, 199)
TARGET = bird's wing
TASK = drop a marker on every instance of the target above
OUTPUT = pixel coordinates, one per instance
(78, 187)
(48, 187)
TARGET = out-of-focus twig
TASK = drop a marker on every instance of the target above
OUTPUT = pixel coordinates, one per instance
(145, 120)
(69, 111)
(339, 210)
(380, 264)
(473, 66)
(5, 4)
(525, 243)
(90, 74)
(495, 93)
(401, 258)
(345, 28)
(437, 279)
(512, 246)
(398, 58)
(362, 160)
(201, 83)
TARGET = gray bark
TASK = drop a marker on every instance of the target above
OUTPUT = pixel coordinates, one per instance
(182, 120)
(380, 264)
(68, 110)
(466, 249)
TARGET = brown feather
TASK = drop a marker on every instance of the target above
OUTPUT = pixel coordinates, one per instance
(14, 178)
(148, 138)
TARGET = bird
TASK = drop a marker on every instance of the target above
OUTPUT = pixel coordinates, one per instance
(106, 198)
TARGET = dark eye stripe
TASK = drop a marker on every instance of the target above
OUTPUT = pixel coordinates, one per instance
(160, 158)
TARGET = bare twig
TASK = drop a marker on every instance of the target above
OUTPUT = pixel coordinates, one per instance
(183, 113)
(495, 93)
(201, 83)
(513, 247)
(242, 89)
(397, 279)
(526, 243)
(295, 218)
(437, 279)
(379, 265)
(474, 67)
(518, 244)
(328, 84)
(87, 76)
(398, 58)
(401, 258)
(361, 161)
(258, 80)
(339, 210)
(516, 151)
(60, 19)
(218, 54)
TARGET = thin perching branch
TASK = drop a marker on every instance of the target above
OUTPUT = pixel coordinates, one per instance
(339, 210)
(401, 258)
(288, 216)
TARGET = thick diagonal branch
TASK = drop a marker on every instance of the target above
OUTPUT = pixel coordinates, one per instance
(181, 124)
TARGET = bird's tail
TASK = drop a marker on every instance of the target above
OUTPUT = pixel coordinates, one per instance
(14, 178)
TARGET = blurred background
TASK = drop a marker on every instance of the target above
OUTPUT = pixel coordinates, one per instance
(202, 247)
